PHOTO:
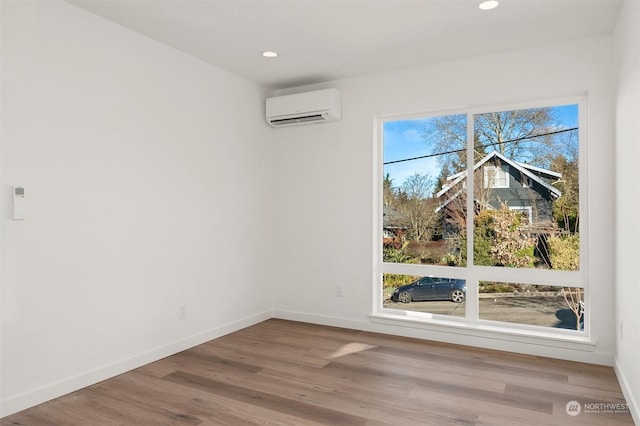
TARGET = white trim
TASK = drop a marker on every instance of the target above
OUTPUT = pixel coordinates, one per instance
(579, 350)
(527, 209)
(632, 402)
(473, 274)
(500, 173)
(54, 390)
(539, 169)
(460, 176)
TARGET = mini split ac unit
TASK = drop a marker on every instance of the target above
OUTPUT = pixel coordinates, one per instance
(304, 108)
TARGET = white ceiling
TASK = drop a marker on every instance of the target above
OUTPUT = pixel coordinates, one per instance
(321, 40)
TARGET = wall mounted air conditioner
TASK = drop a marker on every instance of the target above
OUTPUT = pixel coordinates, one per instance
(304, 108)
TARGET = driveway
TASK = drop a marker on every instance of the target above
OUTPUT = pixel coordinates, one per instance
(547, 311)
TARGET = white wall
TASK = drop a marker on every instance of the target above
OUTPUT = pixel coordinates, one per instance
(149, 187)
(627, 318)
(326, 172)
(148, 179)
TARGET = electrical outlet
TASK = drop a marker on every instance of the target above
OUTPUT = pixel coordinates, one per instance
(338, 290)
(182, 312)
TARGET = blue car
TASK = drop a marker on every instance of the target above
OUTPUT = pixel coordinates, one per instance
(431, 288)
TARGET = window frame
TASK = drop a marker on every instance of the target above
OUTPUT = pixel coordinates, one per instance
(500, 173)
(471, 324)
(523, 209)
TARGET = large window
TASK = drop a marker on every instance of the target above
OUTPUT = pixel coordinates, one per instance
(474, 249)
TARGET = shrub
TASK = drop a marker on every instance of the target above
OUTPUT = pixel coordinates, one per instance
(564, 252)
(493, 287)
(511, 246)
(396, 280)
(394, 255)
(450, 260)
(483, 236)
(427, 252)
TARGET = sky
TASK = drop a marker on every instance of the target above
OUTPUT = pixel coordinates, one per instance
(406, 139)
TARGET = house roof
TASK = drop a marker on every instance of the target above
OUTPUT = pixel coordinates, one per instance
(550, 173)
(525, 169)
(391, 218)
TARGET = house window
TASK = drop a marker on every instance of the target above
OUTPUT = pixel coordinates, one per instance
(496, 176)
(471, 235)
(527, 212)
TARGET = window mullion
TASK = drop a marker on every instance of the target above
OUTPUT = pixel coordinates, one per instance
(472, 281)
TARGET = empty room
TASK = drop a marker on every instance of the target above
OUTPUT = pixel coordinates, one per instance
(260, 212)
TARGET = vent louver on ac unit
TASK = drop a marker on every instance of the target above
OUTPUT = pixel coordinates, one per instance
(304, 108)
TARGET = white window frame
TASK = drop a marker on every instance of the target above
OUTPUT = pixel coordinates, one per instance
(527, 209)
(500, 173)
(471, 325)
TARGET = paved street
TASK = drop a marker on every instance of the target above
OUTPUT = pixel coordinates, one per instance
(549, 311)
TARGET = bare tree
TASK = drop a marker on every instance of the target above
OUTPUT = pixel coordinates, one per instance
(506, 131)
(457, 200)
(574, 298)
(416, 204)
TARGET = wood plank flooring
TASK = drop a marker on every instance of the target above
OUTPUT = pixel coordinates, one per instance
(288, 373)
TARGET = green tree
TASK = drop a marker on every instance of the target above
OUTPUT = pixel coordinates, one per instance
(388, 192)
(566, 208)
(564, 252)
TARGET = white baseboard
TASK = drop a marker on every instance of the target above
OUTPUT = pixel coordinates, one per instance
(487, 340)
(63, 387)
(54, 390)
(323, 320)
(628, 393)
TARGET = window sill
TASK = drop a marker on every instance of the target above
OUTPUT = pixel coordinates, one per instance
(486, 330)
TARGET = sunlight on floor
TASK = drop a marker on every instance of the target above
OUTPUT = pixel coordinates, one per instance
(350, 348)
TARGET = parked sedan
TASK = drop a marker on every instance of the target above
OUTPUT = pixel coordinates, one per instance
(431, 288)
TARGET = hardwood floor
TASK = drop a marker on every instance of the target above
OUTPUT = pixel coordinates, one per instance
(289, 373)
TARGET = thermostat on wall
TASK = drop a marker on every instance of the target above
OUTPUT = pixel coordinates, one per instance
(18, 203)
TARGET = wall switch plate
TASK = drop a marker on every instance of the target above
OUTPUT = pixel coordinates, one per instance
(19, 208)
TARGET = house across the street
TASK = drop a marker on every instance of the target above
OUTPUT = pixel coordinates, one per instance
(500, 180)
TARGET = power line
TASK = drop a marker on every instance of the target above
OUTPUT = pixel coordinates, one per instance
(481, 146)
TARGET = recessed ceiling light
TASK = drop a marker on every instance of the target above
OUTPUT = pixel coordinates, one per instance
(488, 5)
(269, 54)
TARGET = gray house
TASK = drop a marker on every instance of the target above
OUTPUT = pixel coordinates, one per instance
(393, 227)
(500, 180)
